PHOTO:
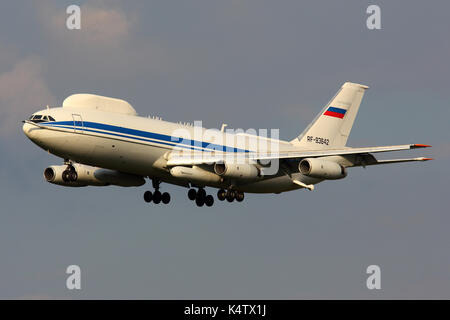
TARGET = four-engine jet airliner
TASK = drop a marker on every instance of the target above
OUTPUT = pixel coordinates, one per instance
(104, 142)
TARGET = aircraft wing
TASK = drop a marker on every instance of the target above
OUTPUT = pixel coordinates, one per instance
(197, 158)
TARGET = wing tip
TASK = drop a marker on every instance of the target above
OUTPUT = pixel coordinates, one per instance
(417, 145)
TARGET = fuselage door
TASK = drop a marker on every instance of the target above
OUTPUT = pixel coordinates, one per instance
(78, 125)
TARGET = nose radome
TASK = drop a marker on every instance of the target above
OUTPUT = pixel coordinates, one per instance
(26, 129)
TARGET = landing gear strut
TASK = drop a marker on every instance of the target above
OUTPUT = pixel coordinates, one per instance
(156, 196)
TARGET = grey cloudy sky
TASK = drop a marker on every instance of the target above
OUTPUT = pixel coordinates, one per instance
(251, 64)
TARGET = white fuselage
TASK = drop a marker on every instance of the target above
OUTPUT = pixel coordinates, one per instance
(140, 145)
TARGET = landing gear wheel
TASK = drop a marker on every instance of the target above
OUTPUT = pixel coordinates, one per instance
(230, 195)
(165, 198)
(157, 197)
(200, 201)
(221, 194)
(209, 200)
(192, 194)
(239, 196)
(201, 193)
(66, 175)
(148, 196)
(73, 175)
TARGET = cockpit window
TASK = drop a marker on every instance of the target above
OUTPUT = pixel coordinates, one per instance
(41, 118)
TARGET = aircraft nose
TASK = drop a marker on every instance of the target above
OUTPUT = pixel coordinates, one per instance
(28, 129)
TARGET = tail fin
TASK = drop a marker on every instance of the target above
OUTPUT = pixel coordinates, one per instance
(331, 127)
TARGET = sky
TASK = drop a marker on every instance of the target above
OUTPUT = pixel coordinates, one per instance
(250, 64)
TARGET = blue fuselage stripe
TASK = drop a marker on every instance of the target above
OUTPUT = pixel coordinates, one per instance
(141, 135)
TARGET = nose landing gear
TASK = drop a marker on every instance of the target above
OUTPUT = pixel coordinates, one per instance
(70, 174)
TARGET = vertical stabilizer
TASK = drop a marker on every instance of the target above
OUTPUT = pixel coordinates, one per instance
(331, 127)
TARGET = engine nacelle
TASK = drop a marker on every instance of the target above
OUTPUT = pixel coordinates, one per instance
(237, 171)
(92, 176)
(321, 169)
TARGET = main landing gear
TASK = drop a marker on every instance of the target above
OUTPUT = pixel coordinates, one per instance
(230, 195)
(156, 196)
(70, 174)
(200, 197)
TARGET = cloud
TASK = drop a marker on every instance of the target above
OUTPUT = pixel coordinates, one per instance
(105, 25)
(102, 25)
(23, 90)
(107, 40)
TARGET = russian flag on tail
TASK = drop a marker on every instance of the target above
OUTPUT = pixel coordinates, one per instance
(335, 112)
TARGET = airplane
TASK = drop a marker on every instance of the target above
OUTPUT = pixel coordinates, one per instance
(103, 141)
